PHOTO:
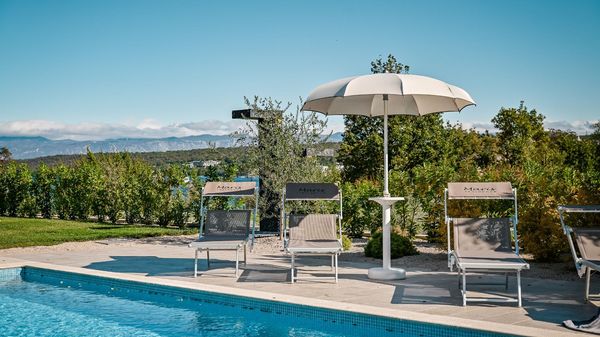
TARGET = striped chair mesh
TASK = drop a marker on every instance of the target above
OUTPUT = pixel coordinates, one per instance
(482, 236)
(313, 227)
(231, 223)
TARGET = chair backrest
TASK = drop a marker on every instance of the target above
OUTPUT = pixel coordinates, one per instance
(235, 223)
(313, 226)
(471, 233)
(588, 242)
(229, 189)
(476, 236)
(587, 239)
(480, 190)
(312, 191)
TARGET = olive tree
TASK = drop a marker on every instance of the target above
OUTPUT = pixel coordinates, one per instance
(275, 149)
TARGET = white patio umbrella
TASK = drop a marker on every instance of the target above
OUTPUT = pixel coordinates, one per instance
(382, 95)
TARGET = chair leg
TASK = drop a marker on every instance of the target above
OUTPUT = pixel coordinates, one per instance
(336, 267)
(208, 259)
(464, 287)
(237, 261)
(588, 273)
(245, 254)
(292, 268)
(519, 287)
(196, 263)
(459, 274)
(332, 262)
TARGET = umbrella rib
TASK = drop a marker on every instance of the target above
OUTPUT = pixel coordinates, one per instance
(454, 99)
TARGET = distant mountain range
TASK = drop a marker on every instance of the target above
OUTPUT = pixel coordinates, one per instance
(34, 147)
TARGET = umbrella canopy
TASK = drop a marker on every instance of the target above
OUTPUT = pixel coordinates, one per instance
(407, 95)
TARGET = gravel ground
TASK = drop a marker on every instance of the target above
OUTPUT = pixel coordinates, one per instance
(430, 258)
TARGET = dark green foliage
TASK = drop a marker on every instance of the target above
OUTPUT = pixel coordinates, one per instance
(5, 154)
(43, 190)
(520, 130)
(346, 242)
(360, 213)
(112, 187)
(15, 184)
(400, 246)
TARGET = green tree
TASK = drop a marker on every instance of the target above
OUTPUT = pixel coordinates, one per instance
(5, 154)
(43, 189)
(168, 192)
(359, 212)
(15, 185)
(112, 177)
(520, 132)
(132, 189)
(62, 182)
(148, 195)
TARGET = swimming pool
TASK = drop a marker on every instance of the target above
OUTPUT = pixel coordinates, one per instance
(44, 302)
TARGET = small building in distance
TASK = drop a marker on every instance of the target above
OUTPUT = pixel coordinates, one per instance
(203, 163)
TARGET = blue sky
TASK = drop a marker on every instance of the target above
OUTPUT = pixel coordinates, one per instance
(97, 69)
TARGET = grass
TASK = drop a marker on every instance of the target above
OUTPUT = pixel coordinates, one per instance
(21, 232)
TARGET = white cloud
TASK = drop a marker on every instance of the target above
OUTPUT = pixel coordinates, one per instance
(479, 126)
(579, 127)
(98, 131)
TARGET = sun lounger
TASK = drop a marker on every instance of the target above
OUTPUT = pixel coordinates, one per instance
(225, 230)
(312, 234)
(483, 244)
(588, 243)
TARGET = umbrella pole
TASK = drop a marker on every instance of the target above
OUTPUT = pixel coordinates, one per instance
(386, 272)
(386, 191)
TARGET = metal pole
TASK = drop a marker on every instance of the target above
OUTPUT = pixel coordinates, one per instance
(387, 212)
(201, 222)
(386, 192)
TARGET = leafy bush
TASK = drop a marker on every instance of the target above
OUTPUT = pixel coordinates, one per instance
(400, 246)
(346, 242)
(359, 212)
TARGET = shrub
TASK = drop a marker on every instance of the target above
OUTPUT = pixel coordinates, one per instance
(400, 246)
(346, 242)
(179, 209)
(359, 212)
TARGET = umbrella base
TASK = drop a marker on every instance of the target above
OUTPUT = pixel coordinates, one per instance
(387, 274)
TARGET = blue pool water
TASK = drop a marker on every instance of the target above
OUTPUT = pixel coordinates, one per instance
(40, 302)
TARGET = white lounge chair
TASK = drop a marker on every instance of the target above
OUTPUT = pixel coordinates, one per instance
(312, 234)
(588, 243)
(225, 230)
(483, 244)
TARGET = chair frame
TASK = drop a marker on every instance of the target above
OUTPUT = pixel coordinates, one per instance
(242, 193)
(582, 265)
(315, 252)
(463, 268)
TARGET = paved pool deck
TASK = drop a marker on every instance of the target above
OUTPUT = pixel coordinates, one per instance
(546, 303)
